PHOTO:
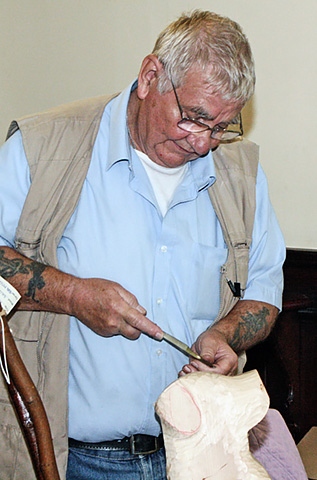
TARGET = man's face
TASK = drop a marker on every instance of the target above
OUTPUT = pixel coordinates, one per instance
(158, 134)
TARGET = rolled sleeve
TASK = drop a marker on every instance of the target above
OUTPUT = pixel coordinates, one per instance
(267, 253)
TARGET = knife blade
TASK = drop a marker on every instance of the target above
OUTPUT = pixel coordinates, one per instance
(184, 348)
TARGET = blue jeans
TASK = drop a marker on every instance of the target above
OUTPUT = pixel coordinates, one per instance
(84, 464)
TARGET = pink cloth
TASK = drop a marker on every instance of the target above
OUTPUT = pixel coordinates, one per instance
(273, 446)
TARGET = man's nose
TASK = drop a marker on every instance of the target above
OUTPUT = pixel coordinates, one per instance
(202, 142)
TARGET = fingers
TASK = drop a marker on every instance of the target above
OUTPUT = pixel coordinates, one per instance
(224, 366)
(135, 323)
(134, 318)
(214, 349)
(197, 366)
(141, 310)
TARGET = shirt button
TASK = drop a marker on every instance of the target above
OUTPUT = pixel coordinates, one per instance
(163, 248)
(158, 352)
(159, 301)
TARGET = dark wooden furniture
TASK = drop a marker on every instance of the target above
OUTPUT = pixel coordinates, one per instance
(287, 360)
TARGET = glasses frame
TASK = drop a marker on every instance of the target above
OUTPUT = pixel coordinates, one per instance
(217, 129)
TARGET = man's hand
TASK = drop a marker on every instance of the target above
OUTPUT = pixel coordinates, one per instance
(213, 347)
(108, 309)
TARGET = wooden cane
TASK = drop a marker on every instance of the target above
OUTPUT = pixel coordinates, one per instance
(28, 406)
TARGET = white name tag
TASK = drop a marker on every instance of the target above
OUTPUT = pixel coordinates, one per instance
(9, 296)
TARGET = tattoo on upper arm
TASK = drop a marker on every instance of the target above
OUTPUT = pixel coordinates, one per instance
(251, 325)
(11, 267)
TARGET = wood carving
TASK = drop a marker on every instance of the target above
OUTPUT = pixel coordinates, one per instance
(205, 419)
(29, 408)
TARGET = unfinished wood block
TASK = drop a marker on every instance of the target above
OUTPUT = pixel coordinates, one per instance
(205, 419)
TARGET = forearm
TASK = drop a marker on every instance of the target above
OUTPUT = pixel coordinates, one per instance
(102, 305)
(248, 323)
(42, 288)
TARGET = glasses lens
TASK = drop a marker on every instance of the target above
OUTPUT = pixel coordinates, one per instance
(225, 136)
(192, 126)
(228, 132)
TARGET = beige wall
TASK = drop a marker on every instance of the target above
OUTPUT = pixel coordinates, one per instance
(54, 51)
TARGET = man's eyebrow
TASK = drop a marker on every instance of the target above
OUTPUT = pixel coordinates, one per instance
(200, 113)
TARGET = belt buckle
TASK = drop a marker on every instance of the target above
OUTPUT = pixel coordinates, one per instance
(134, 451)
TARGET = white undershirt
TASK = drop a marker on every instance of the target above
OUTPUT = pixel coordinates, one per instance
(164, 180)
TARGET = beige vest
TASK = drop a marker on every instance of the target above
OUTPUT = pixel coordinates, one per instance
(58, 146)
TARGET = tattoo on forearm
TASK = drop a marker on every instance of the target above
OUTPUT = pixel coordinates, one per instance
(250, 327)
(11, 267)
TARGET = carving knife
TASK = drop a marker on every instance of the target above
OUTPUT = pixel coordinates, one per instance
(184, 348)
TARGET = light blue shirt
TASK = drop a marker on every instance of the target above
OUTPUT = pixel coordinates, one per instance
(170, 264)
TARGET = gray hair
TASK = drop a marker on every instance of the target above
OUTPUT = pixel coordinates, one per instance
(205, 39)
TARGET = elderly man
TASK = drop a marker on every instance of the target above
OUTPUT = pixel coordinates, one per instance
(128, 216)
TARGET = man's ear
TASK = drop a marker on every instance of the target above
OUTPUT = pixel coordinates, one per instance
(148, 74)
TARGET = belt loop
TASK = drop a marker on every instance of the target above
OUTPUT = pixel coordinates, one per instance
(132, 445)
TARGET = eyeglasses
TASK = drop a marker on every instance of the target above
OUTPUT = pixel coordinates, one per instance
(224, 132)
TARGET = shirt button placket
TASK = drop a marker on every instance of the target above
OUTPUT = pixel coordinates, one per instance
(163, 249)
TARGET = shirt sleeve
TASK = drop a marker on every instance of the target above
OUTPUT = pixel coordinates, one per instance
(14, 185)
(267, 253)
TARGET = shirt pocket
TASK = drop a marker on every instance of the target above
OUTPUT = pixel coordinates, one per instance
(203, 289)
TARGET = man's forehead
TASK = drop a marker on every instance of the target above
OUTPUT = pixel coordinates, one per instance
(200, 97)
(210, 107)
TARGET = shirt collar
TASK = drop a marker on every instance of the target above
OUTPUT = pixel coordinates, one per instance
(116, 115)
(203, 171)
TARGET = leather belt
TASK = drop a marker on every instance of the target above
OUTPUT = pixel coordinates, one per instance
(136, 444)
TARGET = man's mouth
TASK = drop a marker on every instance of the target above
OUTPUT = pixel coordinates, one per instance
(185, 150)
